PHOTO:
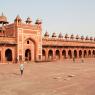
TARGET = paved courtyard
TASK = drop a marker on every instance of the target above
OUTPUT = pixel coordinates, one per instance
(50, 78)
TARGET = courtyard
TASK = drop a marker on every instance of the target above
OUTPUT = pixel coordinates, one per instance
(49, 78)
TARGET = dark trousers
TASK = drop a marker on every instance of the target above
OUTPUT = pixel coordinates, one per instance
(21, 72)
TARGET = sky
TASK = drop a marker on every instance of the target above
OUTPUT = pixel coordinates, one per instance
(65, 16)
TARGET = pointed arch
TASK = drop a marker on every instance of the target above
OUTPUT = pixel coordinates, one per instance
(80, 53)
(30, 44)
(64, 53)
(69, 54)
(8, 55)
(31, 39)
(27, 55)
(85, 53)
(93, 52)
(43, 54)
(50, 54)
(75, 54)
(57, 54)
(89, 53)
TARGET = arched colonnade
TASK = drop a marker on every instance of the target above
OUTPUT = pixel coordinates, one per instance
(61, 54)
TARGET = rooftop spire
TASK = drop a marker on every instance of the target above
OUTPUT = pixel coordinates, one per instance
(18, 18)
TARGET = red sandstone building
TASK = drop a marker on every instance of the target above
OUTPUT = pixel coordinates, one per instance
(23, 41)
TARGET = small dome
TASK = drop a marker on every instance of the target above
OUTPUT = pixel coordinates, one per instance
(77, 37)
(18, 18)
(28, 20)
(38, 21)
(3, 19)
(87, 38)
(46, 34)
(2, 28)
(72, 36)
(60, 35)
(54, 34)
(82, 37)
(91, 38)
(66, 36)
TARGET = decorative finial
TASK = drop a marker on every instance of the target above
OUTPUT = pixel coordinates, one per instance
(28, 20)
(18, 18)
(60, 35)
(46, 34)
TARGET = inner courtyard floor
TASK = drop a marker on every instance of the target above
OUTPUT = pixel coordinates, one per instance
(49, 78)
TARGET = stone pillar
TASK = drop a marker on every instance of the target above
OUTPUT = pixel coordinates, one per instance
(91, 54)
(54, 55)
(46, 58)
(13, 56)
(3, 56)
(61, 54)
(82, 54)
(87, 54)
(77, 53)
(66, 54)
(72, 53)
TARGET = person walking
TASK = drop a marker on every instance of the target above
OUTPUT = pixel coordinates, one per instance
(21, 68)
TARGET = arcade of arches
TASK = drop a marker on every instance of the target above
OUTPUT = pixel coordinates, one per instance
(61, 54)
(53, 54)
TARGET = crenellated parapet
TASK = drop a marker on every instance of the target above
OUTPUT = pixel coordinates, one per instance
(68, 37)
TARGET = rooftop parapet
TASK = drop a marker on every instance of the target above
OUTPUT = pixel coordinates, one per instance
(68, 38)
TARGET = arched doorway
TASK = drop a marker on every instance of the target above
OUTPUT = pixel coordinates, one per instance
(69, 54)
(30, 53)
(85, 53)
(50, 54)
(89, 53)
(75, 54)
(27, 55)
(57, 54)
(43, 55)
(80, 54)
(64, 54)
(8, 55)
(93, 53)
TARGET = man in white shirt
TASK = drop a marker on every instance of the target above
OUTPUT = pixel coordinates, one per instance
(21, 68)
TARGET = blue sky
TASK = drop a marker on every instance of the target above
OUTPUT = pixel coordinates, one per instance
(66, 16)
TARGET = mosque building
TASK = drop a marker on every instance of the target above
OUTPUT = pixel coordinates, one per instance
(23, 41)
